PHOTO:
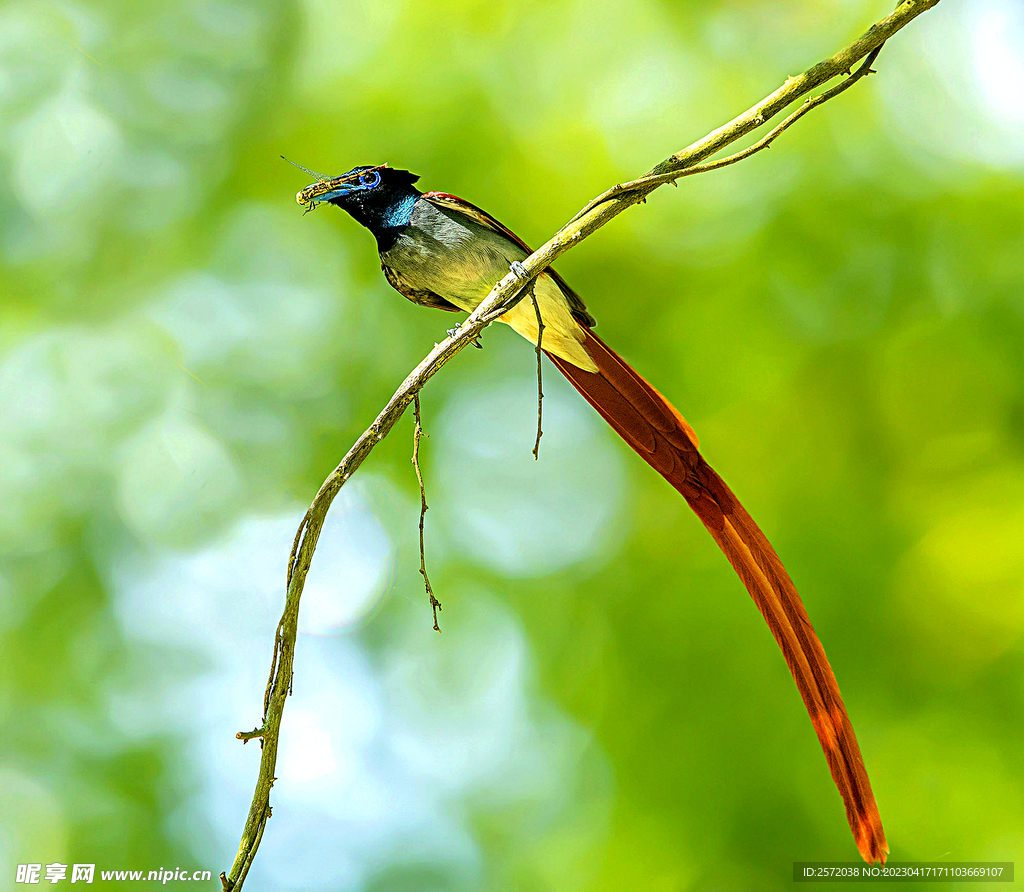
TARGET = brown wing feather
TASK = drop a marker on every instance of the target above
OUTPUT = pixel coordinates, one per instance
(403, 286)
(653, 427)
(460, 206)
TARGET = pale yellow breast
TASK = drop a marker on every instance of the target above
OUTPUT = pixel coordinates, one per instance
(563, 335)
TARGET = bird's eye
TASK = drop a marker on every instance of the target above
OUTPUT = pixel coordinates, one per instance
(369, 179)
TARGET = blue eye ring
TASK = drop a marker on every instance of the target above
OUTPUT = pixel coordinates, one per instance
(369, 179)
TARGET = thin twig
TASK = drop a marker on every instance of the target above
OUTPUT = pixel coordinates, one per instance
(505, 295)
(651, 180)
(540, 380)
(251, 855)
(417, 433)
(273, 669)
(295, 543)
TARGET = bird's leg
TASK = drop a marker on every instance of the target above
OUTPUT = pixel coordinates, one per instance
(519, 271)
(475, 342)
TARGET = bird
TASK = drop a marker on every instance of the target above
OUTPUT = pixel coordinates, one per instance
(440, 251)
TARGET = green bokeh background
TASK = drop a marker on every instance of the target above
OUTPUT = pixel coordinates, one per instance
(184, 357)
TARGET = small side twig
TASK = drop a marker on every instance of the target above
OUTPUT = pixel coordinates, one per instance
(435, 605)
(540, 380)
(273, 666)
(226, 884)
(651, 180)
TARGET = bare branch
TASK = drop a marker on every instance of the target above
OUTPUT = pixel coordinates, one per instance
(658, 179)
(540, 378)
(503, 297)
(417, 433)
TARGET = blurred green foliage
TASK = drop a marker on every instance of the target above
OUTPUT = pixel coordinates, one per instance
(184, 357)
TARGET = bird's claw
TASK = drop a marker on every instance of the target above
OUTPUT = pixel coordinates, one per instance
(475, 342)
(519, 271)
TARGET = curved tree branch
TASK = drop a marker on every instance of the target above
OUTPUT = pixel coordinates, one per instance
(505, 294)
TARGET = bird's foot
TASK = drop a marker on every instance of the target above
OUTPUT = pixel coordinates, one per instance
(519, 271)
(475, 342)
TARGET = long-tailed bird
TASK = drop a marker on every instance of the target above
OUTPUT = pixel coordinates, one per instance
(443, 252)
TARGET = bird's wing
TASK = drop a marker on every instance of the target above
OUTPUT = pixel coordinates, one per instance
(454, 204)
(423, 297)
(653, 427)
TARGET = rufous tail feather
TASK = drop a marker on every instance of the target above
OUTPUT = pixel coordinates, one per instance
(653, 427)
